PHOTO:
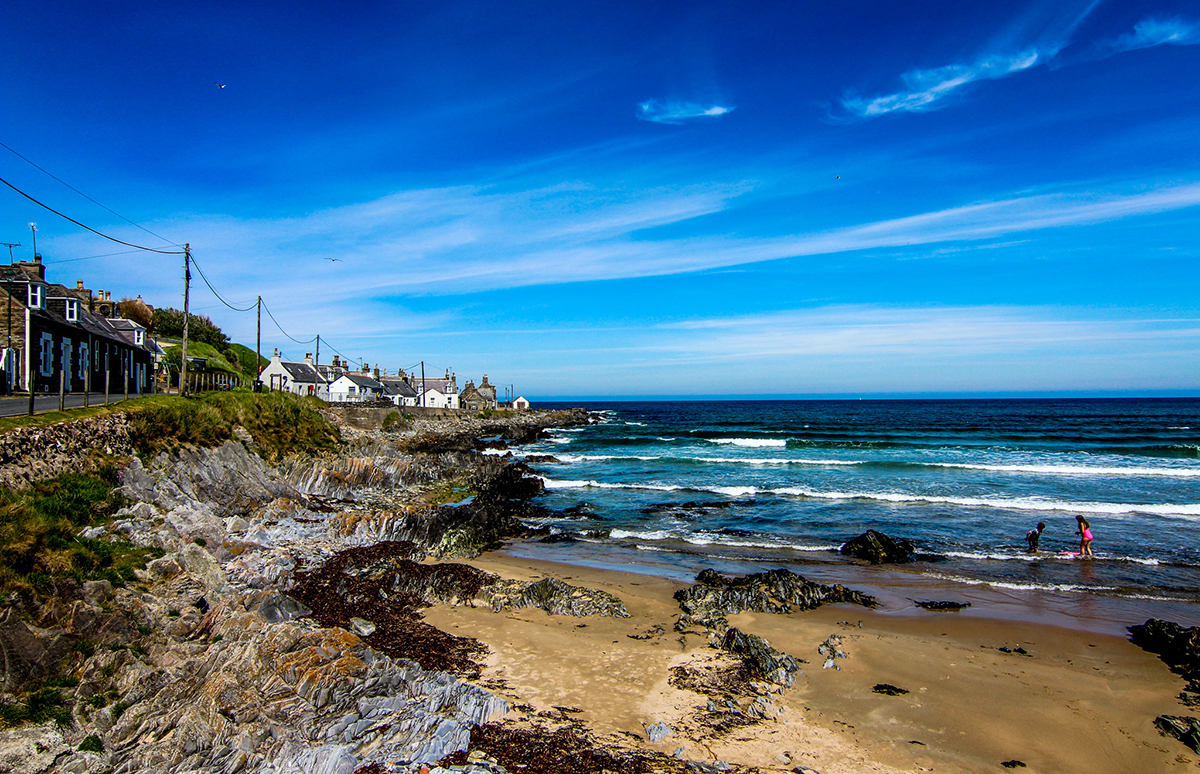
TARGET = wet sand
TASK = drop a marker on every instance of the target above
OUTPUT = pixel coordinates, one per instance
(1078, 700)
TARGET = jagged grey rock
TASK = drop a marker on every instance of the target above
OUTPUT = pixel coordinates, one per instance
(714, 597)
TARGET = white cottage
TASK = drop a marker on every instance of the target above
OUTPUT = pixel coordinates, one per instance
(296, 378)
(355, 388)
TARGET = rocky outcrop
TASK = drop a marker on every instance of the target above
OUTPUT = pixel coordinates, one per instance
(227, 478)
(766, 662)
(878, 548)
(552, 595)
(715, 596)
(30, 454)
(1184, 728)
(243, 694)
(1176, 645)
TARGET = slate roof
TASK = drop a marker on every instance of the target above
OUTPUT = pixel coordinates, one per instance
(397, 386)
(303, 372)
(364, 381)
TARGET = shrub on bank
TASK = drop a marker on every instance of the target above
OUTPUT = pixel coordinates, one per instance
(279, 423)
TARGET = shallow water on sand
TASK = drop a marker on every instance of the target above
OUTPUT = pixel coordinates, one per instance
(673, 487)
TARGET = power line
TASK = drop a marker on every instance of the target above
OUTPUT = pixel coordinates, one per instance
(285, 333)
(89, 228)
(90, 199)
(214, 290)
(91, 257)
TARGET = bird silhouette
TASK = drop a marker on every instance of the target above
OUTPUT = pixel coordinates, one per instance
(335, 260)
(219, 85)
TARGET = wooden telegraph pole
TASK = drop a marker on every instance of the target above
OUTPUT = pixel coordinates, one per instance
(187, 287)
(258, 348)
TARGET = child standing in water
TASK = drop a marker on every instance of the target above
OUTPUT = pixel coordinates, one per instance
(1033, 536)
(1085, 537)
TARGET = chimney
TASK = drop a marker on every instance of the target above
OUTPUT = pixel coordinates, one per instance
(308, 358)
(366, 368)
(108, 295)
(376, 372)
(79, 284)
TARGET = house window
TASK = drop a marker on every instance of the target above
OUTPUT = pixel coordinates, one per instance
(349, 390)
(139, 337)
(37, 296)
(83, 360)
(46, 367)
(72, 310)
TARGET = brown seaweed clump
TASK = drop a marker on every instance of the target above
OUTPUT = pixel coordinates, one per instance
(566, 750)
(356, 584)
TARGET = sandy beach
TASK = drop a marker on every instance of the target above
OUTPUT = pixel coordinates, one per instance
(1058, 699)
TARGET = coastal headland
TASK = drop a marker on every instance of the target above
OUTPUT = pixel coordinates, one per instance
(234, 586)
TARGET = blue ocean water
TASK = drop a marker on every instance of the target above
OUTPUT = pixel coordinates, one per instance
(739, 484)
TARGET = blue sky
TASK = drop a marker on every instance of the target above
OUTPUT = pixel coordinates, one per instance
(611, 199)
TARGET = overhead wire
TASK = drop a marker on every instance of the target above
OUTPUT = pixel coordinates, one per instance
(90, 199)
(137, 247)
(285, 333)
(214, 290)
(89, 228)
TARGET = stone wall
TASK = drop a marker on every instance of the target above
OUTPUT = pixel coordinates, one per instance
(30, 454)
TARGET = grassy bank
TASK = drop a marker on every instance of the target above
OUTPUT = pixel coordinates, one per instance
(280, 424)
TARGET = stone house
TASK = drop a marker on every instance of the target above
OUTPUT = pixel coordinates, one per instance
(55, 338)
(433, 391)
(477, 398)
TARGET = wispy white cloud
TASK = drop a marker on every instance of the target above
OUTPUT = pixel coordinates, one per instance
(932, 89)
(672, 112)
(1151, 32)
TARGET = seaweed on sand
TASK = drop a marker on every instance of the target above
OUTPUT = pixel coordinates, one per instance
(356, 584)
(567, 750)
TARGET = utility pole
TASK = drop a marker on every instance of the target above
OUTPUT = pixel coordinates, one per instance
(258, 349)
(187, 288)
(317, 357)
(33, 231)
(422, 384)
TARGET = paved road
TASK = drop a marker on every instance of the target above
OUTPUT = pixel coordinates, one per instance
(18, 405)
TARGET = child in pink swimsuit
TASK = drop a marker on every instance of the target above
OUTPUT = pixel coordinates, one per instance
(1085, 535)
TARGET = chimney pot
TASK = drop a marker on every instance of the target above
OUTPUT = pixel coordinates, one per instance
(79, 284)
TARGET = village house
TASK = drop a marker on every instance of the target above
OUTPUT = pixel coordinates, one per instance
(432, 391)
(398, 390)
(477, 398)
(356, 388)
(520, 404)
(296, 378)
(59, 338)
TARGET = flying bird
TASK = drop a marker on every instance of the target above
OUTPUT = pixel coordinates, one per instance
(219, 85)
(335, 260)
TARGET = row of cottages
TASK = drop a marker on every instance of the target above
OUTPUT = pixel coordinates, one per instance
(67, 338)
(337, 383)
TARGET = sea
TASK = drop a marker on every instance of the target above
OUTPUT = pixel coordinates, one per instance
(671, 488)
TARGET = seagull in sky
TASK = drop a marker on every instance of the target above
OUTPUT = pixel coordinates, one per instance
(219, 85)
(334, 260)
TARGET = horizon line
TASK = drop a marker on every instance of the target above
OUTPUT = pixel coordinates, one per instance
(765, 397)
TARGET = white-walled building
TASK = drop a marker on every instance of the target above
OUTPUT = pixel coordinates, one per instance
(296, 378)
(355, 388)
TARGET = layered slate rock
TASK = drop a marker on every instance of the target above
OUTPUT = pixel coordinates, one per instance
(554, 596)
(1184, 728)
(714, 597)
(766, 662)
(878, 548)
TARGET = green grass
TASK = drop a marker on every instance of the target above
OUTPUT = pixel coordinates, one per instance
(36, 707)
(38, 534)
(280, 424)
